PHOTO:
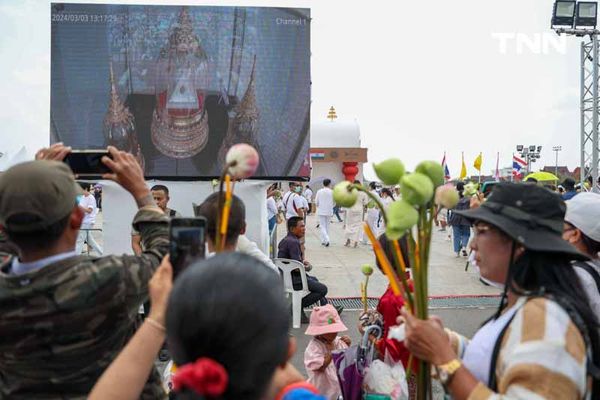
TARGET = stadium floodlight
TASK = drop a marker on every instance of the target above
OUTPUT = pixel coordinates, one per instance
(586, 14)
(564, 13)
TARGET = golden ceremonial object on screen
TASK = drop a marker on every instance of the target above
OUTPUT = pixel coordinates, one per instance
(244, 126)
(119, 126)
(180, 122)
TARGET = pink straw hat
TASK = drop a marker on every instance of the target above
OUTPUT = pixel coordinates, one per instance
(325, 319)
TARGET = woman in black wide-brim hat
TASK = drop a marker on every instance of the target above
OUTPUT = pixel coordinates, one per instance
(543, 341)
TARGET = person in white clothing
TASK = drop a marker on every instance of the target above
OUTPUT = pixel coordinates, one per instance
(235, 240)
(372, 212)
(272, 210)
(325, 204)
(308, 195)
(88, 204)
(293, 201)
(353, 225)
(582, 229)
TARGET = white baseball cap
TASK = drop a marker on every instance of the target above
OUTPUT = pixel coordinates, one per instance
(583, 212)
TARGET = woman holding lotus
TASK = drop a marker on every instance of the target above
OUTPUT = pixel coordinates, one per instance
(543, 342)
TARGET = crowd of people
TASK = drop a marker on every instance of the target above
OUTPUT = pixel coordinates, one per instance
(70, 325)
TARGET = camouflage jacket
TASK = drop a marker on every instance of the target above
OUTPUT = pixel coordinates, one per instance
(62, 325)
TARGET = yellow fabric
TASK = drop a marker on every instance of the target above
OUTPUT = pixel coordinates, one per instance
(477, 163)
(463, 170)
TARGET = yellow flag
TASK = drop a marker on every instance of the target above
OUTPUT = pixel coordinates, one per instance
(463, 170)
(477, 163)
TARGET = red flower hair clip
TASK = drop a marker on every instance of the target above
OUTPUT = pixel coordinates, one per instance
(205, 376)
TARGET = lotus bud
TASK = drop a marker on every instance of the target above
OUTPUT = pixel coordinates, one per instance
(367, 270)
(433, 170)
(446, 196)
(416, 188)
(243, 160)
(401, 217)
(389, 171)
(343, 195)
(470, 189)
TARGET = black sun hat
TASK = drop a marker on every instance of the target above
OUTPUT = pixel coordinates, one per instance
(531, 215)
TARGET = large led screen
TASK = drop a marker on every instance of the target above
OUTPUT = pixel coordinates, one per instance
(177, 86)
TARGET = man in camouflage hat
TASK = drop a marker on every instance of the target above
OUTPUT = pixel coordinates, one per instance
(64, 317)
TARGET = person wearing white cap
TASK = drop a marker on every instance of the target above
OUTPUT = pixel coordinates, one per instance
(582, 229)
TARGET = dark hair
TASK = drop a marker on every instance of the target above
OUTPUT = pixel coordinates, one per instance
(217, 310)
(36, 240)
(460, 188)
(388, 192)
(161, 187)
(569, 184)
(326, 182)
(591, 246)
(209, 209)
(293, 222)
(388, 250)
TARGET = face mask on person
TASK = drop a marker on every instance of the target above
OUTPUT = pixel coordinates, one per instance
(473, 262)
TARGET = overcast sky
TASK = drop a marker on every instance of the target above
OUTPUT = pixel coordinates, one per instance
(421, 77)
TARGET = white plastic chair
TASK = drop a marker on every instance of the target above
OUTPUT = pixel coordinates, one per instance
(286, 267)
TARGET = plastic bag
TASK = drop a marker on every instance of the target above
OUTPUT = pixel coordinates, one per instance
(387, 378)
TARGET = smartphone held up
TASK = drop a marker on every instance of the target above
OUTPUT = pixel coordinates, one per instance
(187, 242)
(87, 163)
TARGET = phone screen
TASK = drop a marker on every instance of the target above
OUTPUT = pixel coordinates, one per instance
(187, 242)
(87, 162)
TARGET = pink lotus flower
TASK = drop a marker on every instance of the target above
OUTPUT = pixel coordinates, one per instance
(446, 196)
(242, 160)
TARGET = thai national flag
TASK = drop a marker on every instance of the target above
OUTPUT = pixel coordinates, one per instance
(445, 166)
(518, 164)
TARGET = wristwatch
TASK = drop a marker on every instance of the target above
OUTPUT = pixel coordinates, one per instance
(446, 371)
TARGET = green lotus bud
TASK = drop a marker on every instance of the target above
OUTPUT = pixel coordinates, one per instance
(446, 196)
(343, 195)
(416, 188)
(401, 217)
(389, 171)
(367, 270)
(433, 170)
(470, 189)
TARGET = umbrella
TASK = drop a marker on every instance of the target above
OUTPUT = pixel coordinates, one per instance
(351, 363)
(542, 176)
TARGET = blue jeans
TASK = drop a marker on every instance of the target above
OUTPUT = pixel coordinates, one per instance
(461, 234)
(272, 223)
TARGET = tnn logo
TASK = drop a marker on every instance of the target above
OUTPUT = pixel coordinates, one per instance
(536, 43)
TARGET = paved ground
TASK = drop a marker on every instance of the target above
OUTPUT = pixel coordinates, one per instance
(339, 267)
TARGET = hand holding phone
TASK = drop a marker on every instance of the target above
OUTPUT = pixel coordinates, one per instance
(87, 162)
(187, 242)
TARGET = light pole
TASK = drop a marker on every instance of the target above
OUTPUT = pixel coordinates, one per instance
(579, 18)
(556, 149)
(530, 154)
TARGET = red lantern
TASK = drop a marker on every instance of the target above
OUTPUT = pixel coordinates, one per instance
(350, 170)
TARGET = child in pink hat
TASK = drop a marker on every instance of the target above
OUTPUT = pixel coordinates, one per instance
(325, 324)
